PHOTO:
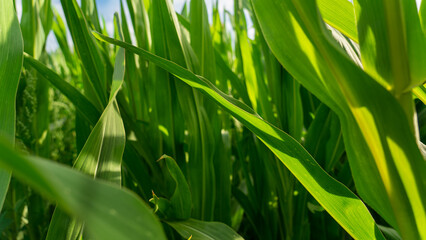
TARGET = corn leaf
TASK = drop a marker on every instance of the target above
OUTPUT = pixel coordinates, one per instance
(11, 58)
(392, 43)
(32, 29)
(180, 203)
(331, 194)
(209, 123)
(104, 207)
(340, 15)
(382, 153)
(420, 92)
(101, 155)
(82, 104)
(201, 230)
(171, 44)
(201, 40)
(233, 78)
(60, 32)
(90, 55)
(163, 84)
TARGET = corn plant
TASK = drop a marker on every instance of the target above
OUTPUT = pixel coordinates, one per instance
(177, 126)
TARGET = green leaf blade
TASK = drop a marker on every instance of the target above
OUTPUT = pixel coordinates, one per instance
(11, 60)
(332, 195)
(340, 15)
(378, 149)
(90, 55)
(201, 230)
(104, 207)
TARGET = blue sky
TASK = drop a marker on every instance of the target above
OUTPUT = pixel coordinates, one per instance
(107, 8)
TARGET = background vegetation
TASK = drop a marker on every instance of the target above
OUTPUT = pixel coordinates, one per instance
(175, 127)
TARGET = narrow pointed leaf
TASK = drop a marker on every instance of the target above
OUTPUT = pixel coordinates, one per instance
(105, 208)
(180, 202)
(200, 230)
(331, 194)
(82, 104)
(378, 149)
(88, 51)
(11, 58)
(392, 43)
(101, 155)
(340, 14)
